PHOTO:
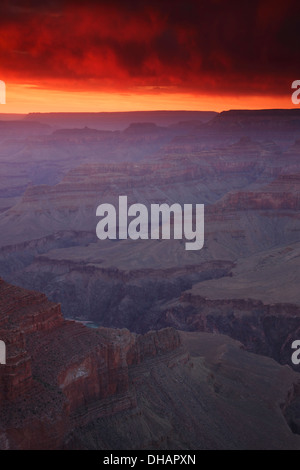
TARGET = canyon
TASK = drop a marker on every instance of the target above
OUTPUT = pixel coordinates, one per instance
(250, 189)
(223, 317)
(66, 386)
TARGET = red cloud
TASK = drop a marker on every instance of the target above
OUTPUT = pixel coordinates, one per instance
(212, 46)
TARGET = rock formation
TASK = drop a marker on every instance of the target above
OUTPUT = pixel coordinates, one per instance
(66, 386)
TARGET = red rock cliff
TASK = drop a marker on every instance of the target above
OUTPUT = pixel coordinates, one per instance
(60, 373)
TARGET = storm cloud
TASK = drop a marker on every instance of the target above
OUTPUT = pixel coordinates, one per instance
(194, 46)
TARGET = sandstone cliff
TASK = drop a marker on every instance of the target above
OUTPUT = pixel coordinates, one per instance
(60, 373)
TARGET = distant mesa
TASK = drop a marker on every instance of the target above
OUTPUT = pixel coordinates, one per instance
(143, 128)
(118, 120)
(261, 120)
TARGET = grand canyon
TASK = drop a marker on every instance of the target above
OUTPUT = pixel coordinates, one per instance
(140, 344)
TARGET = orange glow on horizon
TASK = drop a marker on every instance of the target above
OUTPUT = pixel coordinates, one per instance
(26, 98)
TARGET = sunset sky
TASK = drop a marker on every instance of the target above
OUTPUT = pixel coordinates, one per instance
(123, 55)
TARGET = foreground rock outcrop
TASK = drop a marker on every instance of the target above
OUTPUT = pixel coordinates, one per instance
(57, 369)
(66, 386)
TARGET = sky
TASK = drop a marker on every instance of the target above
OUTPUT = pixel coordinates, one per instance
(122, 55)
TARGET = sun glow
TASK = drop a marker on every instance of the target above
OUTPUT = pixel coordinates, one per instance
(26, 98)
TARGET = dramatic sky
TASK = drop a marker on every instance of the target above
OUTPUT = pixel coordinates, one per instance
(158, 54)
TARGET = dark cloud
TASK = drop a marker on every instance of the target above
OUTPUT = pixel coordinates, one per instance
(207, 46)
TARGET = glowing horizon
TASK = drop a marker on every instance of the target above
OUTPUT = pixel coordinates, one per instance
(28, 98)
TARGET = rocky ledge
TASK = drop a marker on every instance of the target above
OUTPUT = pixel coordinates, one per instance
(66, 386)
(57, 371)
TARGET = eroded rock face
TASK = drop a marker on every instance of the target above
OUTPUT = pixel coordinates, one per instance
(57, 369)
(66, 386)
(262, 328)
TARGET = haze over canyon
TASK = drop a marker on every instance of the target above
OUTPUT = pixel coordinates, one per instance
(140, 343)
